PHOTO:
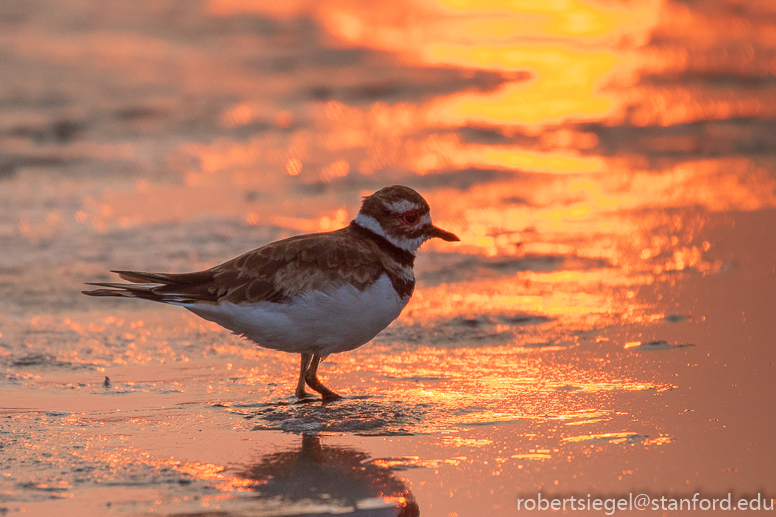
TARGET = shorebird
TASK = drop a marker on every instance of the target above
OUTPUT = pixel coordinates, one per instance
(315, 294)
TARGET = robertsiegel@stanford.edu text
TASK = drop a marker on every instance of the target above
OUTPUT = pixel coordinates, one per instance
(609, 505)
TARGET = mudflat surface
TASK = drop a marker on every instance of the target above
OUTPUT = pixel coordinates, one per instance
(604, 327)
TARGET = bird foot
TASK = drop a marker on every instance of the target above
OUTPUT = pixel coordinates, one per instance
(326, 393)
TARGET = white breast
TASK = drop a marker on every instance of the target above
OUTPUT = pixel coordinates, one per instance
(336, 320)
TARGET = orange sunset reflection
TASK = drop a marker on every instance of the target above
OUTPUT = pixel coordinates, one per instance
(555, 221)
(601, 325)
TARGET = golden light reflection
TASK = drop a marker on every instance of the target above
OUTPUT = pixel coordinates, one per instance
(566, 85)
(532, 456)
(415, 461)
(617, 438)
(214, 473)
(572, 243)
(569, 143)
(115, 460)
(585, 305)
(554, 162)
(570, 18)
(489, 386)
(571, 48)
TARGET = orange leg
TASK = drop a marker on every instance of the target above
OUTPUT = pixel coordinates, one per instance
(300, 393)
(311, 377)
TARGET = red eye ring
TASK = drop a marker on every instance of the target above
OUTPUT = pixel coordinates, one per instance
(411, 217)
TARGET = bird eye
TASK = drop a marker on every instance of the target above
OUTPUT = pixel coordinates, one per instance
(411, 217)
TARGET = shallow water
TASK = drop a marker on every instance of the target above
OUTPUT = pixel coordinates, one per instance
(604, 327)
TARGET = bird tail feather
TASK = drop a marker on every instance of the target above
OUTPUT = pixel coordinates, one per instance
(158, 287)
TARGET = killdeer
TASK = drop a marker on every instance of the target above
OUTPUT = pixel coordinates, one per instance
(314, 294)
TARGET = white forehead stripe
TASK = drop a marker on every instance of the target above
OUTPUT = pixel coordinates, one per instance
(399, 207)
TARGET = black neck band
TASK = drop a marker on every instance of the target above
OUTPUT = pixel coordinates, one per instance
(403, 257)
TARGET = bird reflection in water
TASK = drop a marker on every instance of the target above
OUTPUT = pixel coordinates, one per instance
(320, 480)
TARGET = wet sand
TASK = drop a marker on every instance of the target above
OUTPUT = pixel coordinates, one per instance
(604, 328)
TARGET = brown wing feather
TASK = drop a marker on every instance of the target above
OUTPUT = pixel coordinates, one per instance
(273, 272)
(305, 263)
(140, 277)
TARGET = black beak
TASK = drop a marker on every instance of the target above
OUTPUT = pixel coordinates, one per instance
(436, 231)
